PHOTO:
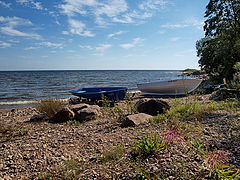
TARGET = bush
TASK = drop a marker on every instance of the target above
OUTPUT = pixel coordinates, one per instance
(50, 107)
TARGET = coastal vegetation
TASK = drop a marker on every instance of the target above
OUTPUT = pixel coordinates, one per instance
(219, 50)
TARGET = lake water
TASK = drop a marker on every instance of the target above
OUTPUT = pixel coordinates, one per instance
(17, 87)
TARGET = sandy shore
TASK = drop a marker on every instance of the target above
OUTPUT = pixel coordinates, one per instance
(30, 150)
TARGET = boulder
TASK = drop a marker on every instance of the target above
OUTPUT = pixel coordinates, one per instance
(38, 118)
(88, 113)
(135, 120)
(63, 115)
(152, 107)
(75, 108)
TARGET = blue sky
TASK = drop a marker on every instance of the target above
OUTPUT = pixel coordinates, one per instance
(100, 34)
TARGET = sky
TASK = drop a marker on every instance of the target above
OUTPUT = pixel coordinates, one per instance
(100, 34)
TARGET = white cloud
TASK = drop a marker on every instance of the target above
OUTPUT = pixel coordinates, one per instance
(13, 32)
(175, 38)
(15, 21)
(5, 44)
(9, 25)
(134, 43)
(51, 44)
(188, 23)
(103, 47)
(4, 4)
(109, 11)
(153, 4)
(98, 50)
(112, 8)
(73, 7)
(31, 48)
(78, 28)
(115, 34)
(31, 3)
(86, 47)
(174, 26)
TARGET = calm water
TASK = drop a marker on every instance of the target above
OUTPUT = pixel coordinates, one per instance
(19, 86)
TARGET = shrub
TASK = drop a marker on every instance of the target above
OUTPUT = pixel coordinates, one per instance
(147, 146)
(50, 107)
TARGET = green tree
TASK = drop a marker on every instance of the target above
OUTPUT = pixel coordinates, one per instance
(219, 50)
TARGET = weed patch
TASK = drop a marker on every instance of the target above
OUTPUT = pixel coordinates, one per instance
(115, 153)
(147, 146)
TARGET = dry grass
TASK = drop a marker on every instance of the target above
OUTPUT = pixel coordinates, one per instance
(49, 107)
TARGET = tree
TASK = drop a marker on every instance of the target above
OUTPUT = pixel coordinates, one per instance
(219, 50)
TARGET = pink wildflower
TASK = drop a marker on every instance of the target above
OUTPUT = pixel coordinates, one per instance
(217, 159)
(172, 137)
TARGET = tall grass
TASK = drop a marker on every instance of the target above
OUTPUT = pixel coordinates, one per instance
(49, 107)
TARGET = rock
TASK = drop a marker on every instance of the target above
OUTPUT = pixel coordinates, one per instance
(217, 96)
(63, 115)
(38, 118)
(222, 94)
(152, 107)
(78, 107)
(88, 113)
(135, 119)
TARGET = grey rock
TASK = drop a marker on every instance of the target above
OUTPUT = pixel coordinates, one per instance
(152, 107)
(63, 115)
(135, 119)
(89, 113)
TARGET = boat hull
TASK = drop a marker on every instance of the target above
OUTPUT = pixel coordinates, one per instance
(99, 93)
(172, 87)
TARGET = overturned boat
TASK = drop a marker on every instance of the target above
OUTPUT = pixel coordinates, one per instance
(98, 93)
(171, 87)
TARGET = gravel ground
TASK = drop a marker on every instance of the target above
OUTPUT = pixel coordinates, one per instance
(30, 149)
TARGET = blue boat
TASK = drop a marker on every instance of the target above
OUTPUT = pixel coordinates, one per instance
(98, 93)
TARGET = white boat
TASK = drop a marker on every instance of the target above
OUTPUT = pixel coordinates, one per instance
(172, 87)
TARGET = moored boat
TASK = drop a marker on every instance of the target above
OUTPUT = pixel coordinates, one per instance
(171, 87)
(98, 93)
